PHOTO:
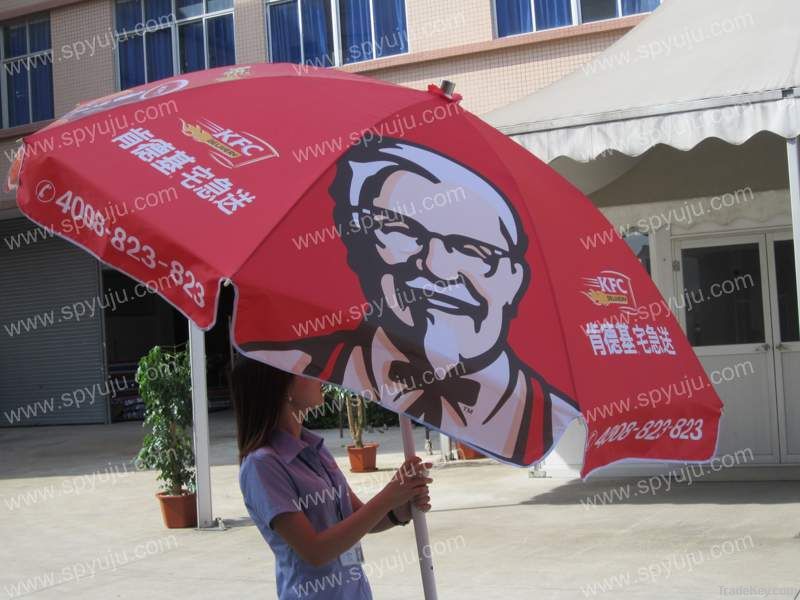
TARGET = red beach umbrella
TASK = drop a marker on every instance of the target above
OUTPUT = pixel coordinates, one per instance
(384, 239)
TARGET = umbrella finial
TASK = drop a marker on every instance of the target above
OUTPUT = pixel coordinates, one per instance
(448, 87)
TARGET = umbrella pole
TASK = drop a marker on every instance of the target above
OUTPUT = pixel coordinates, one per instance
(793, 151)
(197, 358)
(420, 522)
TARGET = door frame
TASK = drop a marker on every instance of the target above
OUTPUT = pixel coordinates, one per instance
(772, 237)
(729, 238)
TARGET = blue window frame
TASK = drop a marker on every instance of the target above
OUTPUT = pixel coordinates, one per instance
(523, 16)
(26, 86)
(284, 38)
(634, 7)
(160, 38)
(391, 35)
(326, 33)
(513, 17)
(316, 17)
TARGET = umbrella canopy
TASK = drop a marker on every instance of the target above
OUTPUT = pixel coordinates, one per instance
(385, 239)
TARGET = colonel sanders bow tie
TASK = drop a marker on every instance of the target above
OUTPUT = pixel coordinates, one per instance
(454, 390)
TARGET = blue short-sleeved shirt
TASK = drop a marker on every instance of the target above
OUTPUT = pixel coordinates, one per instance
(291, 475)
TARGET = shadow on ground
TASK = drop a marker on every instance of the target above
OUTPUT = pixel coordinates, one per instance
(661, 490)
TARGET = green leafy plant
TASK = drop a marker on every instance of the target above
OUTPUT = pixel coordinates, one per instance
(377, 416)
(328, 418)
(164, 380)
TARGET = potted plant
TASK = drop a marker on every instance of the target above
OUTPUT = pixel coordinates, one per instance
(165, 387)
(362, 454)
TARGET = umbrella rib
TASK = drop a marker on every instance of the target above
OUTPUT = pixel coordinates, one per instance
(513, 177)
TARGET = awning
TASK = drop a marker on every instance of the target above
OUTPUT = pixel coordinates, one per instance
(729, 69)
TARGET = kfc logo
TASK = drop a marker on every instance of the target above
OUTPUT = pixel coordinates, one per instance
(438, 358)
(231, 149)
(235, 73)
(611, 288)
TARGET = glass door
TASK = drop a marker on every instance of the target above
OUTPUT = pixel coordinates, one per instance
(786, 331)
(724, 307)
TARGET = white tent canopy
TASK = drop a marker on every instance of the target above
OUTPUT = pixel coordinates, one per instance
(692, 70)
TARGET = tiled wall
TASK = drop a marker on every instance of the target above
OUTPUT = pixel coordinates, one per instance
(250, 27)
(435, 24)
(84, 27)
(492, 79)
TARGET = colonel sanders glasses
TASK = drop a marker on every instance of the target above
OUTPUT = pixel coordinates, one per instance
(410, 237)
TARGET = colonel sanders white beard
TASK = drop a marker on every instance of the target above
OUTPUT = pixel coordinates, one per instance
(450, 339)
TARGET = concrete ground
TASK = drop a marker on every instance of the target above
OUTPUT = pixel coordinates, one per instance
(77, 522)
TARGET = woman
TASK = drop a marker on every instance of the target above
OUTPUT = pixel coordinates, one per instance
(298, 497)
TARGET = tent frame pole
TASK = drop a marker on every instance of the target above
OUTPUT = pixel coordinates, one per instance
(197, 358)
(420, 522)
(793, 152)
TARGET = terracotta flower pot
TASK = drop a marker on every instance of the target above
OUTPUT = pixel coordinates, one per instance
(362, 460)
(464, 452)
(178, 512)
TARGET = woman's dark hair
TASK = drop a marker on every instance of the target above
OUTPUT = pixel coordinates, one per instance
(258, 392)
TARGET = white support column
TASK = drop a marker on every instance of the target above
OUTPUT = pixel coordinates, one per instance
(197, 357)
(445, 447)
(793, 151)
(420, 522)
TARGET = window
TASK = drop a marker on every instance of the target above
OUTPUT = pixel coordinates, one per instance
(735, 318)
(160, 38)
(27, 82)
(523, 16)
(639, 243)
(325, 33)
(787, 291)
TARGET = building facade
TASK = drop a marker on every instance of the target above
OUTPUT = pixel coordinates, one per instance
(55, 364)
